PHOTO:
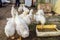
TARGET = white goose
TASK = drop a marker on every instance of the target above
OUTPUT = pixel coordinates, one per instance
(21, 27)
(10, 26)
(39, 17)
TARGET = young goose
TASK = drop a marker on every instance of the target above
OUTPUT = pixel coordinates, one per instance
(10, 26)
(21, 27)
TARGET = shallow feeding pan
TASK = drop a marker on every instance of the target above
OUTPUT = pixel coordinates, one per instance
(47, 30)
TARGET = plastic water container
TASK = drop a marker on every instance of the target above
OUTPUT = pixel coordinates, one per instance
(28, 3)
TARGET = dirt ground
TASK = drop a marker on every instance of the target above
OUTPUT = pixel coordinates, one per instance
(5, 13)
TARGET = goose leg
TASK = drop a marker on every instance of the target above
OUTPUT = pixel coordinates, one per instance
(19, 38)
(12, 37)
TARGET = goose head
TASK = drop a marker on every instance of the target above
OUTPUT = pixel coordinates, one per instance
(20, 8)
(26, 12)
